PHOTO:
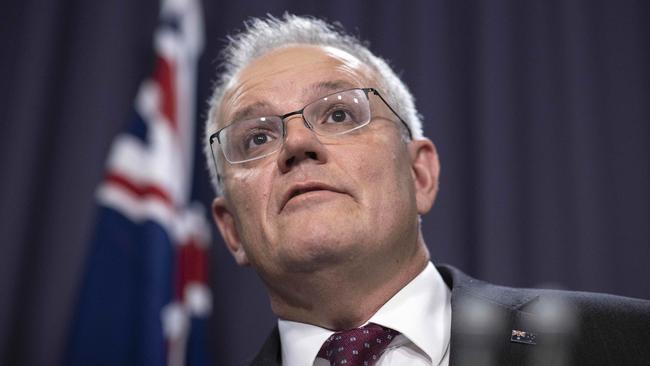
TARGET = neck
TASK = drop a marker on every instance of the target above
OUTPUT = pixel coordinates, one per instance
(346, 296)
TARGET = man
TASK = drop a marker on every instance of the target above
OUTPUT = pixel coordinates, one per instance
(317, 152)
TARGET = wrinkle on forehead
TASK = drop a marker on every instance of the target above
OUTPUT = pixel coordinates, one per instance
(271, 75)
(261, 108)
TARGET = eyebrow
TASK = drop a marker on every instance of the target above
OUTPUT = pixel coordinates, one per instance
(317, 90)
(325, 87)
(250, 111)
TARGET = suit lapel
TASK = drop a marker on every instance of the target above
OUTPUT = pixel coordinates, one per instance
(483, 319)
(270, 354)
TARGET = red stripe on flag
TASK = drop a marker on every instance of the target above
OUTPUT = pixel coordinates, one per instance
(141, 190)
(190, 267)
(164, 76)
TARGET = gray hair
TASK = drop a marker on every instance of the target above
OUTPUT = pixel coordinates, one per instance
(270, 33)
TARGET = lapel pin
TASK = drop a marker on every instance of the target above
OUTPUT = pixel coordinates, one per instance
(519, 336)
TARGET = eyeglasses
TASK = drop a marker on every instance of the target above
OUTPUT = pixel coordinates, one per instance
(332, 115)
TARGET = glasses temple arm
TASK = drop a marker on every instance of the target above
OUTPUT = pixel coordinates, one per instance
(374, 91)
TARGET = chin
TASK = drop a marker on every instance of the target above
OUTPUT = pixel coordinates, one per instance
(313, 253)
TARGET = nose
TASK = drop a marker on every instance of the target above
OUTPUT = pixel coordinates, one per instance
(301, 144)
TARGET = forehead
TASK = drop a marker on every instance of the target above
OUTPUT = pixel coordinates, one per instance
(285, 79)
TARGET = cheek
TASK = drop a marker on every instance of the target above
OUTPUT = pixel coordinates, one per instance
(249, 195)
(385, 173)
(250, 200)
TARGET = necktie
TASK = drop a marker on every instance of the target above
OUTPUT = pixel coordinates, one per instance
(357, 347)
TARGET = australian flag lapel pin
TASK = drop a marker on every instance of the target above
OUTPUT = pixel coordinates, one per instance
(519, 336)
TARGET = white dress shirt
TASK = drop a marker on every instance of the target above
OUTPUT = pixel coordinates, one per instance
(421, 312)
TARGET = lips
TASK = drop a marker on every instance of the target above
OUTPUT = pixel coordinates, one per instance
(298, 189)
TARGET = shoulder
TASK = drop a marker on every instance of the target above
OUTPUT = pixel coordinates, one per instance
(589, 328)
(586, 302)
(615, 329)
(601, 329)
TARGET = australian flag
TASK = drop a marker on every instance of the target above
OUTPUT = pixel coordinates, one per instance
(144, 298)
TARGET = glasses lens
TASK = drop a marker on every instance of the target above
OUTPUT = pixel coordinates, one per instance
(339, 112)
(251, 139)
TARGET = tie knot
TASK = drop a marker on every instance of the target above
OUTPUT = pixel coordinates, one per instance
(357, 347)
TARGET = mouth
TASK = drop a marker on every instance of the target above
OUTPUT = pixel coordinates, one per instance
(300, 189)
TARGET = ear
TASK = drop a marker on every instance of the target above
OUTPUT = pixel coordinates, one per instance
(426, 171)
(225, 221)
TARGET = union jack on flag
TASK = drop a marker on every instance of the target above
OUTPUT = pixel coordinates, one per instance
(144, 298)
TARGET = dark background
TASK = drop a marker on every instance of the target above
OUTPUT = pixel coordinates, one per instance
(539, 110)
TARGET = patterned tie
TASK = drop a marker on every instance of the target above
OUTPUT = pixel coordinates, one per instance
(357, 347)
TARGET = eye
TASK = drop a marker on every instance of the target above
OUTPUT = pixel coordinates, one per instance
(338, 116)
(257, 139)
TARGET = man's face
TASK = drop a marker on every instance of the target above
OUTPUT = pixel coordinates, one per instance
(319, 201)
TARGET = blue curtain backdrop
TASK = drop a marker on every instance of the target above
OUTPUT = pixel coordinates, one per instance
(539, 110)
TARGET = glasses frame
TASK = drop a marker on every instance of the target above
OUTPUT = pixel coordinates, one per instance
(367, 91)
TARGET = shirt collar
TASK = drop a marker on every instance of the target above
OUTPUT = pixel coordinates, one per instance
(421, 311)
(300, 342)
(426, 300)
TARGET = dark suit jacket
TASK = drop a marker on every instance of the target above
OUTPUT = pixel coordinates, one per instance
(561, 328)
